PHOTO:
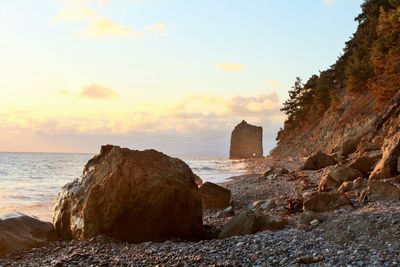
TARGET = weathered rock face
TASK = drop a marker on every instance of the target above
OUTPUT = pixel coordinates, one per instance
(131, 195)
(318, 161)
(358, 183)
(215, 196)
(325, 201)
(379, 190)
(337, 176)
(387, 166)
(250, 222)
(246, 141)
(21, 232)
(365, 164)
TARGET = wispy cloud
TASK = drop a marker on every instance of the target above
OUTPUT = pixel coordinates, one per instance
(76, 14)
(103, 27)
(329, 2)
(231, 67)
(156, 27)
(96, 91)
(98, 25)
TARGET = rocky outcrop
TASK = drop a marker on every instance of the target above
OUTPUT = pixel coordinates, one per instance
(131, 195)
(325, 201)
(21, 232)
(246, 141)
(388, 166)
(318, 161)
(358, 183)
(379, 190)
(337, 176)
(250, 222)
(366, 163)
(215, 196)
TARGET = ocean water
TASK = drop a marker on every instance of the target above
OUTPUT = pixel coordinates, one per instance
(30, 182)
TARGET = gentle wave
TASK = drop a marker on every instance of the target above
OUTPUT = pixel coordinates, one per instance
(30, 182)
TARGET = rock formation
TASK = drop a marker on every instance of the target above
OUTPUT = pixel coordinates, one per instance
(21, 232)
(325, 201)
(337, 176)
(131, 195)
(388, 165)
(246, 141)
(318, 161)
(250, 222)
(215, 196)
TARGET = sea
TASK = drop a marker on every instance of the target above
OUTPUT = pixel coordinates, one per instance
(30, 182)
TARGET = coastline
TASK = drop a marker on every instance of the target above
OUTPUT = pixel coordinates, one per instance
(365, 236)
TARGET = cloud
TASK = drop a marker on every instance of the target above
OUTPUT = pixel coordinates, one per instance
(261, 105)
(329, 2)
(75, 14)
(97, 25)
(95, 91)
(82, 2)
(103, 27)
(194, 125)
(231, 67)
(156, 27)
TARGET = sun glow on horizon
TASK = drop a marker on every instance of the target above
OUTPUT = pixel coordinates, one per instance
(169, 75)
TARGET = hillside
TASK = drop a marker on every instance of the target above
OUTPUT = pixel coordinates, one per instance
(355, 104)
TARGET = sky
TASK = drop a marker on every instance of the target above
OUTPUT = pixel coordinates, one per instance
(174, 75)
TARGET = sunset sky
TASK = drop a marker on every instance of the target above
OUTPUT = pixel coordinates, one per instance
(174, 75)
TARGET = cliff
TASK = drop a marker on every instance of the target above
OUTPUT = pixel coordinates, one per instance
(354, 106)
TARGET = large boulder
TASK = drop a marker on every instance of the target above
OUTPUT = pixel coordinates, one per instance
(318, 161)
(349, 146)
(215, 196)
(366, 163)
(246, 141)
(250, 222)
(381, 190)
(131, 195)
(337, 176)
(21, 232)
(325, 201)
(387, 166)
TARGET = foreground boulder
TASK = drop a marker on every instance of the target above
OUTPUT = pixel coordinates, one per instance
(382, 191)
(388, 166)
(246, 141)
(215, 196)
(318, 161)
(21, 232)
(325, 201)
(131, 195)
(337, 176)
(250, 222)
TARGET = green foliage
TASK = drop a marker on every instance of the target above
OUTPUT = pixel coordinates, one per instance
(370, 63)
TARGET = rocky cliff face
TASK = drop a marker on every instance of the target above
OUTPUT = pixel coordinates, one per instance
(353, 107)
(246, 141)
(356, 129)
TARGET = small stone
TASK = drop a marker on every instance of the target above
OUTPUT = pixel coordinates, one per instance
(314, 222)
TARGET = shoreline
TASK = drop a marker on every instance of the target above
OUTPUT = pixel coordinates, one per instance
(367, 235)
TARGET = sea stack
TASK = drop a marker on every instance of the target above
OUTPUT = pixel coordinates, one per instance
(246, 141)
